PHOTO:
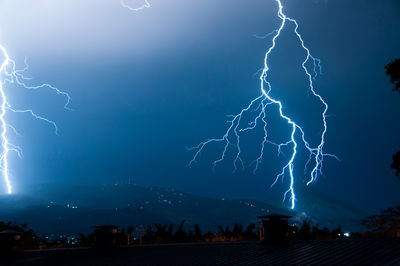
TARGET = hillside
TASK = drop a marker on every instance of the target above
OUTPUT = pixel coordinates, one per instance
(74, 208)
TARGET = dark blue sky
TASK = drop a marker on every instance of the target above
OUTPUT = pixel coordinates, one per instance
(145, 85)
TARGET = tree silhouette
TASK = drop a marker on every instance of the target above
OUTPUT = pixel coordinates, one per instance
(396, 163)
(28, 237)
(393, 70)
(197, 233)
(385, 224)
(180, 235)
(249, 233)
(305, 231)
(237, 230)
(162, 235)
(149, 236)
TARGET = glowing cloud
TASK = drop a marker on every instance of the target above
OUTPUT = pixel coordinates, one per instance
(146, 4)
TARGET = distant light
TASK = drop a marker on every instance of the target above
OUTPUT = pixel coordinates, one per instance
(346, 234)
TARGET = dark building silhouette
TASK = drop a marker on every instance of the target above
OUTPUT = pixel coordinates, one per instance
(105, 236)
(9, 239)
(275, 229)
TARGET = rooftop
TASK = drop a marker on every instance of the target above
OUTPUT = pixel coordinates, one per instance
(313, 252)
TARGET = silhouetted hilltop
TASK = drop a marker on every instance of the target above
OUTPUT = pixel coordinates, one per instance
(74, 208)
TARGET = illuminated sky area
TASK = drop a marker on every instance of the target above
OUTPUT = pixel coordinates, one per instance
(145, 85)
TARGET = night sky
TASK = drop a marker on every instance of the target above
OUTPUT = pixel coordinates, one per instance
(147, 84)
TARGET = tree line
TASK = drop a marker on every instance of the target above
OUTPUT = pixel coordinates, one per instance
(165, 234)
(386, 224)
(393, 70)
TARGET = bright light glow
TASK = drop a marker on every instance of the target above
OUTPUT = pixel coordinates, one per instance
(231, 138)
(9, 74)
(146, 4)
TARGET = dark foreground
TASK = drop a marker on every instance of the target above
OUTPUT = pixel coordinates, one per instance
(315, 252)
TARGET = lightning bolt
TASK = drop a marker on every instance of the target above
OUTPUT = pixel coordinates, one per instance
(10, 74)
(145, 5)
(231, 138)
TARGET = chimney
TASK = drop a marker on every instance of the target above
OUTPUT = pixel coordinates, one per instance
(275, 229)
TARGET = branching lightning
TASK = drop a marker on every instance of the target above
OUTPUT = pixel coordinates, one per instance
(258, 106)
(10, 74)
(146, 4)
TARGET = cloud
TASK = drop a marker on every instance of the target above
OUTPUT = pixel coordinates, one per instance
(135, 5)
